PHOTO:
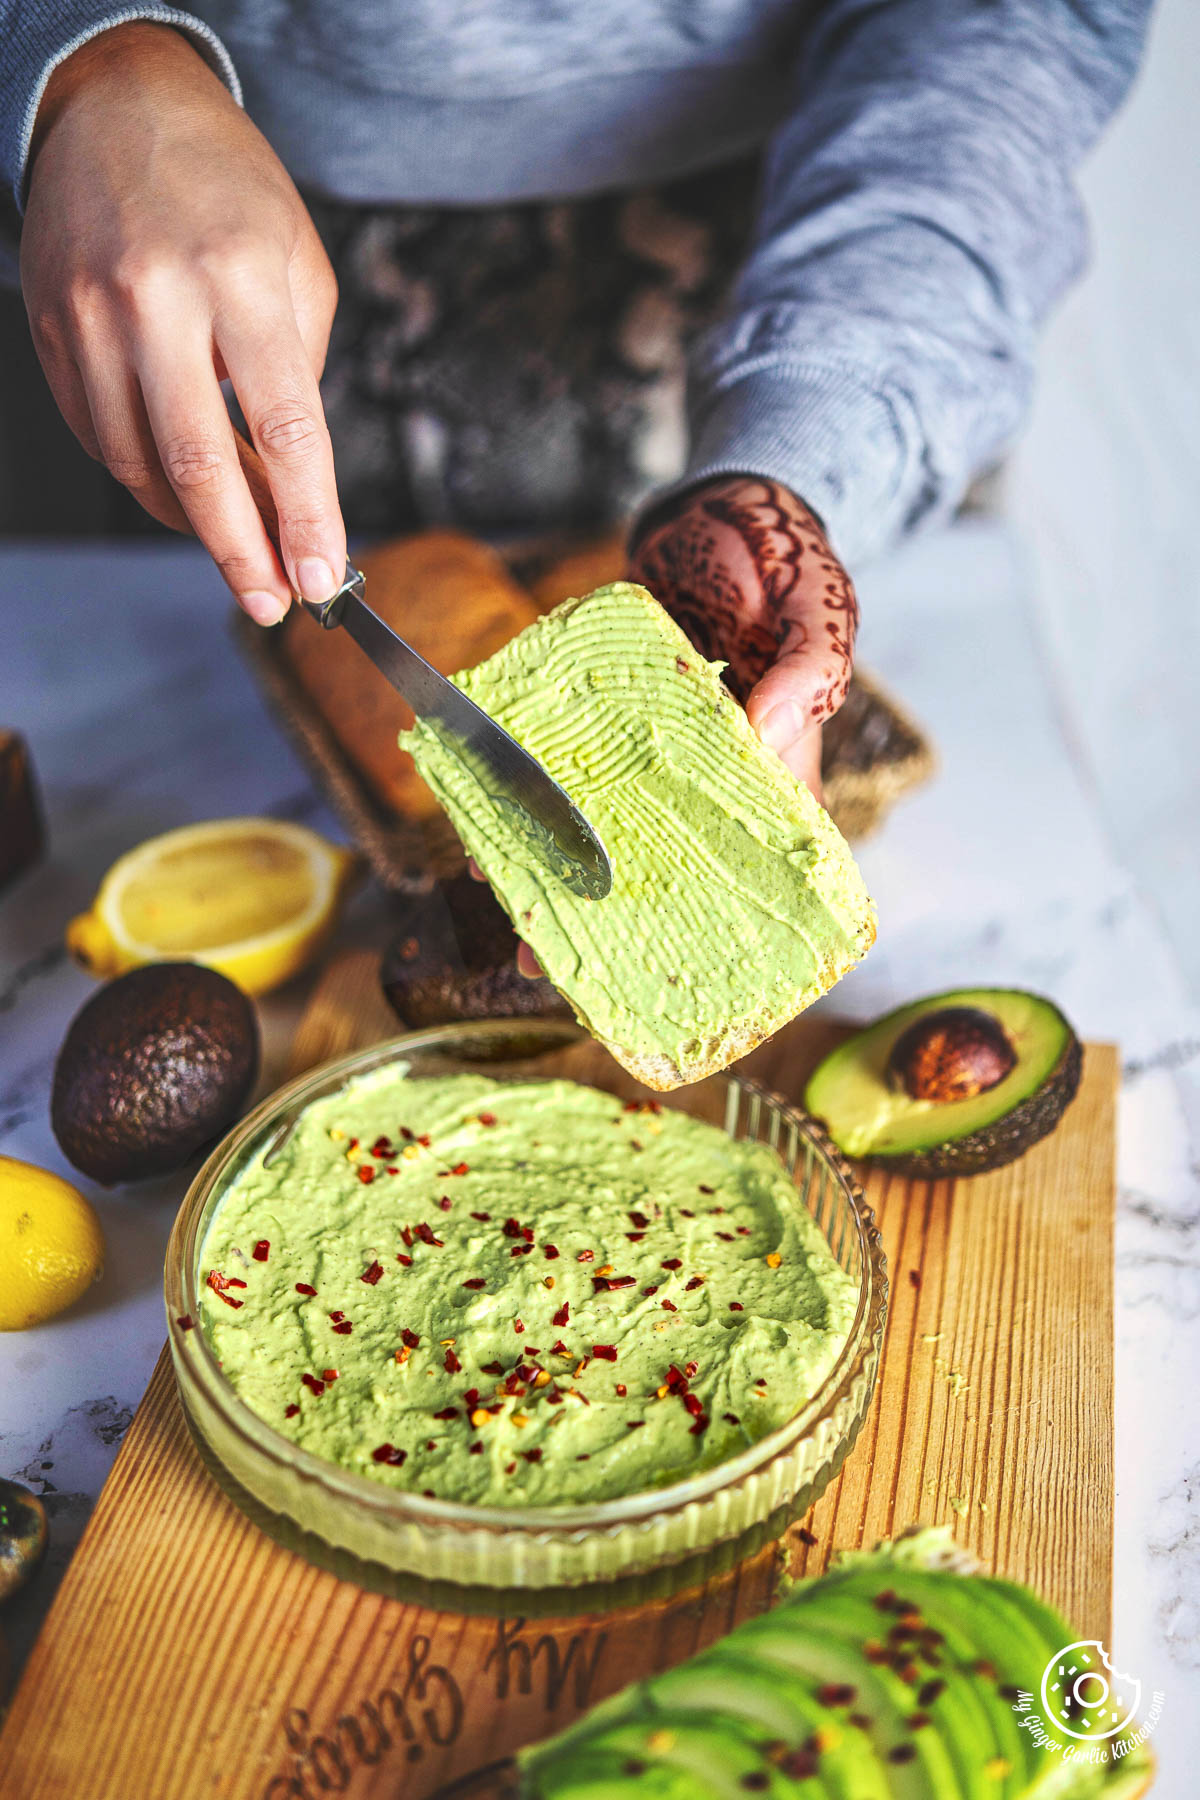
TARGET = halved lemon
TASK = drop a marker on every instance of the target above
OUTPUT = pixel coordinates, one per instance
(254, 898)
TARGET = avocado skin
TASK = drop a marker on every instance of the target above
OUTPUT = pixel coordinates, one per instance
(1006, 1139)
(994, 1144)
(454, 956)
(153, 1067)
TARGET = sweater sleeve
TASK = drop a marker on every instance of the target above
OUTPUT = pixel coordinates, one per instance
(37, 35)
(919, 219)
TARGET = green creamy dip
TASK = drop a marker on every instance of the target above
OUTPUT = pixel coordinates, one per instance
(526, 1293)
(735, 900)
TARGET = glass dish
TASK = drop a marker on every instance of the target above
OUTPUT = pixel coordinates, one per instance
(547, 1559)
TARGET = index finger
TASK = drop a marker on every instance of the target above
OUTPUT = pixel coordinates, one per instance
(281, 403)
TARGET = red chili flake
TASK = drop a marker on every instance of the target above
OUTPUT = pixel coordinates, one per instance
(186, 1322)
(492, 1368)
(606, 1283)
(928, 1693)
(353, 1144)
(518, 1327)
(328, 1375)
(447, 1412)
(550, 1252)
(406, 1134)
(425, 1233)
(800, 1763)
(471, 1397)
(475, 1449)
(392, 1171)
(302, 1287)
(634, 1424)
(743, 1231)
(695, 1282)
(532, 1455)
(366, 1172)
(635, 1237)
(312, 1384)
(694, 1404)
(837, 1693)
(607, 1351)
(520, 1250)
(425, 1140)
(690, 1369)
(699, 1427)
(289, 1412)
(731, 1418)
(650, 1290)
(634, 1144)
(405, 1260)
(337, 1317)
(451, 1364)
(461, 1168)
(512, 1228)
(388, 1453)
(527, 1233)
(484, 1218)
(706, 1190)
(510, 1468)
(563, 1315)
(487, 1118)
(672, 1262)
(218, 1283)
(584, 1456)
(586, 1256)
(476, 1283)
(261, 1250)
(630, 1106)
(382, 1147)
(806, 1536)
(726, 1237)
(371, 1275)
(532, 1350)
(445, 1203)
(343, 1328)
(621, 1390)
(716, 1209)
(736, 1306)
(676, 1377)
(409, 1338)
(685, 1212)
(669, 1306)
(558, 1348)
(902, 1753)
(406, 1236)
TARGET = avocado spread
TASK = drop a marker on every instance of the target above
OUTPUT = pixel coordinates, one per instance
(735, 902)
(521, 1293)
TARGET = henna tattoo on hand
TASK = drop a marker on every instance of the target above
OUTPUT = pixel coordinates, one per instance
(744, 568)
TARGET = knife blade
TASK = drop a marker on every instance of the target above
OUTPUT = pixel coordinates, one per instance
(549, 824)
(541, 812)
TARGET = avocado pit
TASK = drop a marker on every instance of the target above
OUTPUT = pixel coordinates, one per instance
(953, 1054)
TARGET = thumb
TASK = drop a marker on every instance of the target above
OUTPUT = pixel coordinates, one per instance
(787, 708)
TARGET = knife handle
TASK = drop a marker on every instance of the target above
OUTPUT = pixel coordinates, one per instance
(326, 612)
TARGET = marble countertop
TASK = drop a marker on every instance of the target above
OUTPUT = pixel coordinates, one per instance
(125, 680)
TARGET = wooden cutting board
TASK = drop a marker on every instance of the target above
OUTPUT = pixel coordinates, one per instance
(188, 1655)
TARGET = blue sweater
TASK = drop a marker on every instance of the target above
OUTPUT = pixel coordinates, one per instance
(918, 218)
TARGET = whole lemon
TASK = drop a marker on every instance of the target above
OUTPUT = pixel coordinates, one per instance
(51, 1244)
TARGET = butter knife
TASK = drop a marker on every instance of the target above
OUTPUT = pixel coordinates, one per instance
(549, 824)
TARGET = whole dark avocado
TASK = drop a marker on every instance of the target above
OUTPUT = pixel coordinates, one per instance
(156, 1064)
(953, 1085)
(454, 957)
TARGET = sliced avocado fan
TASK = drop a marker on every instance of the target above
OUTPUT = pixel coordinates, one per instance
(892, 1677)
(954, 1084)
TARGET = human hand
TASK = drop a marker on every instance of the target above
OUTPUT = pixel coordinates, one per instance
(165, 248)
(742, 565)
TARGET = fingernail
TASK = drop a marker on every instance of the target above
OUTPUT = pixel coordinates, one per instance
(782, 726)
(264, 608)
(315, 578)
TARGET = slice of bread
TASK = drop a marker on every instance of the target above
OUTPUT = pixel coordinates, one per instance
(735, 900)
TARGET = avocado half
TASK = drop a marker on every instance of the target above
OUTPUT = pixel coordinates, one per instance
(954, 1084)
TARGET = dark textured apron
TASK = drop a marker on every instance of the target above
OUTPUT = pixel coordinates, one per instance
(522, 367)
